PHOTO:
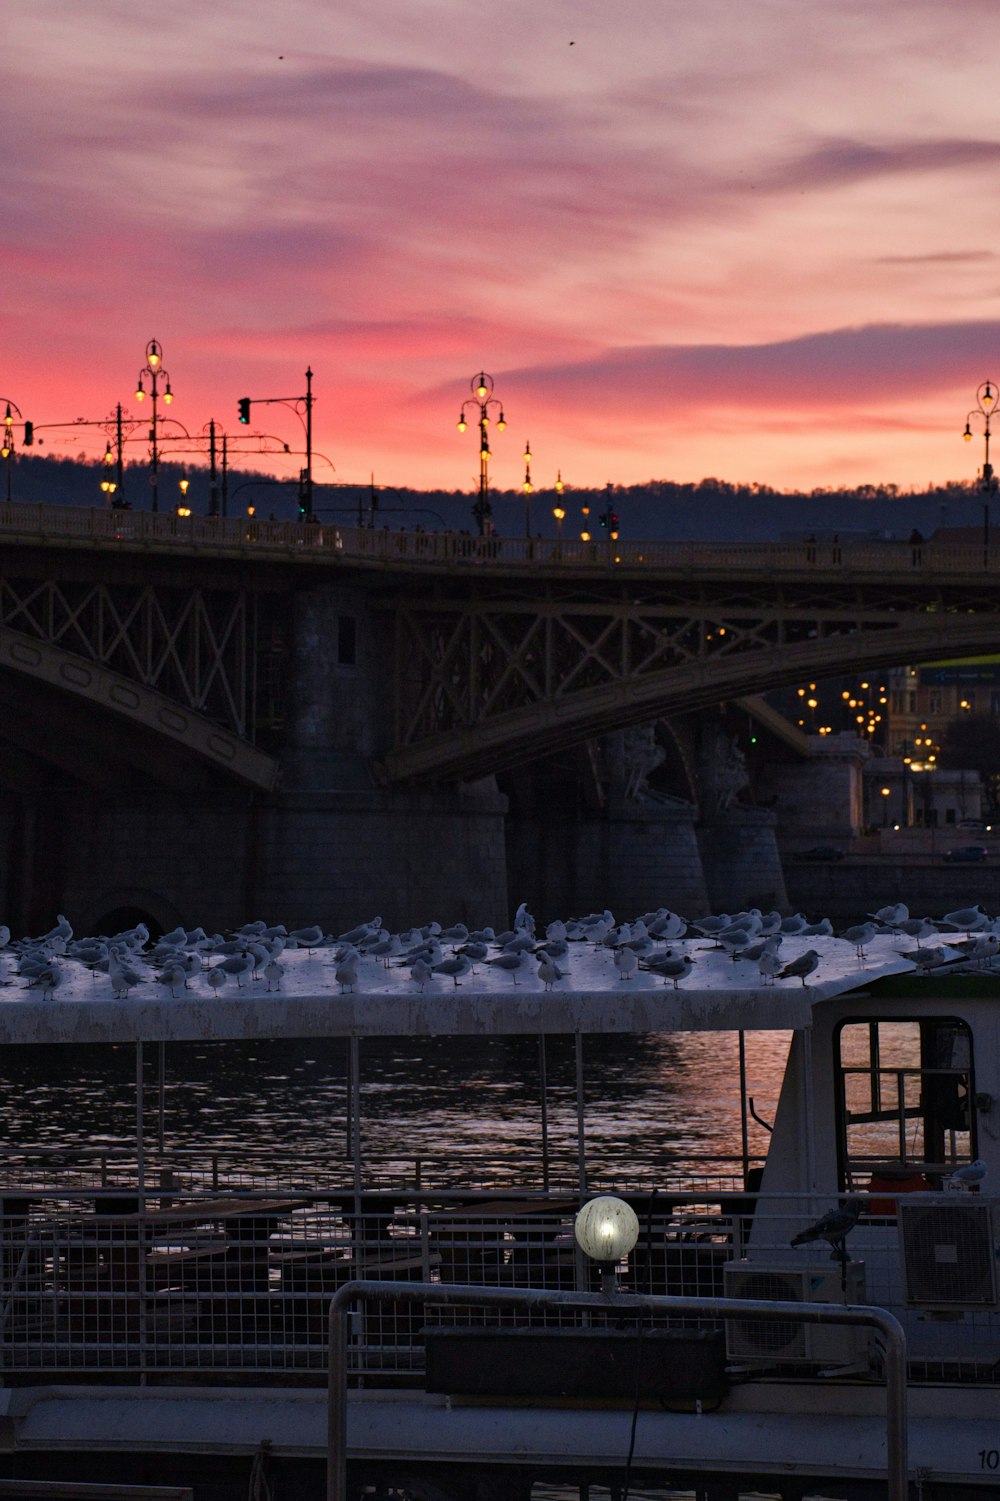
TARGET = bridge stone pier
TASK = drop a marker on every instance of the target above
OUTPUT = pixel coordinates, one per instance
(214, 719)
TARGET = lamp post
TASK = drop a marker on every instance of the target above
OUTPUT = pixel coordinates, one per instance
(153, 371)
(528, 490)
(986, 397)
(7, 448)
(482, 399)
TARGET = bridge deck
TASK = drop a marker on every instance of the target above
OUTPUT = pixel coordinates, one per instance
(318, 544)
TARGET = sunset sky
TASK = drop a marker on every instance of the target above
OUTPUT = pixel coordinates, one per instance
(753, 239)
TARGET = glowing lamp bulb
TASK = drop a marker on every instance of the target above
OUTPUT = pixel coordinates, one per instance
(606, 1229)
(140, 392)
(461, 424)
(153, 355)
(501, 421)
(168, 396)
(988, 395)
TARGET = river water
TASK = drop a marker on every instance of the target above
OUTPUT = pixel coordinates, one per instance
(464, 1109)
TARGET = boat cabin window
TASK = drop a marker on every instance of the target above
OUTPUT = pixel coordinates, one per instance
(903, 1094)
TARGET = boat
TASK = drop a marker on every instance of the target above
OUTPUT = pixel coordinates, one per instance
(172, 1319)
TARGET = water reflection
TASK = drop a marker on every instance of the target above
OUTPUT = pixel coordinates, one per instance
(657, 1101)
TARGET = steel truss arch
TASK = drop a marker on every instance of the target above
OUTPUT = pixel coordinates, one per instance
(39, 659)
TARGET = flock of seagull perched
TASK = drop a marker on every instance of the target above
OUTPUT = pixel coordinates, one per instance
(432, 953)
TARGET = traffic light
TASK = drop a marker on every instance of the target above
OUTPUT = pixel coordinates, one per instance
(29, 434)
(613, 522)
(244, 409)
(603, 518)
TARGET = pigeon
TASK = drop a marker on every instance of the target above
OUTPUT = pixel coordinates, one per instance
(799, 968)
(833, 1227)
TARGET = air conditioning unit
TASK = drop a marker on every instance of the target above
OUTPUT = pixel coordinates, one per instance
(949, 1248)
(779, 1341)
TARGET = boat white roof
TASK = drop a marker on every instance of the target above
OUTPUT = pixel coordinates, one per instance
(718, 995)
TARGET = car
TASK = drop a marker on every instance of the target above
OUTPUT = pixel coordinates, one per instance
(977, 824)
(968, 854)
(822, 852)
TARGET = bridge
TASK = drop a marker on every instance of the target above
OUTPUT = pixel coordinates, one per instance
(243, 716)
(488, 652)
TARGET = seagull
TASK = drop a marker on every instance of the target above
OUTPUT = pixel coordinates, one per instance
(549, 971)
(556, 931)
(359, 934)
(834, 1228)
(964, 919)
(123, 976)
(216, 977)
(860, 935)
(769, 965)
(917, 927)
(892, 915)
(457, 933)
(459, 965)
(800, 967)
(511, 964)
(964, 1178)
(821, 929)
(272, 974)
(555, 948)
(671, 967)
(626, 962)
(307, 938)
(346, 972)
(669, 926)
(237, 964)
(523, 920)
(173, 978)
(48, 979)
(475, 952)
(756, 951)
(795, 925)
(420, 972)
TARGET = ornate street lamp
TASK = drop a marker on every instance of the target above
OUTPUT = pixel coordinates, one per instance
(986, 397)
(154, 372)
(528, 490)
(482, 399)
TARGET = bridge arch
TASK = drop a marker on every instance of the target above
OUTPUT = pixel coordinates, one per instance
(503, 740)
(99, 685)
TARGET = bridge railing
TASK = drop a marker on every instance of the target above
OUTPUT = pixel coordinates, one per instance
(54, 525)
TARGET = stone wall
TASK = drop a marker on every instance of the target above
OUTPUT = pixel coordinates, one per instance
(298, 858)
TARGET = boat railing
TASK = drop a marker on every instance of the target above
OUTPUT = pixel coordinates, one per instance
(183, 1282)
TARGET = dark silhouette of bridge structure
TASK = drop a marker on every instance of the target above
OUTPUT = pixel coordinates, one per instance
(244, 717)
(483, 652)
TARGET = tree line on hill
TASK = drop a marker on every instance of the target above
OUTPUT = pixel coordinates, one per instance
(655, 509)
